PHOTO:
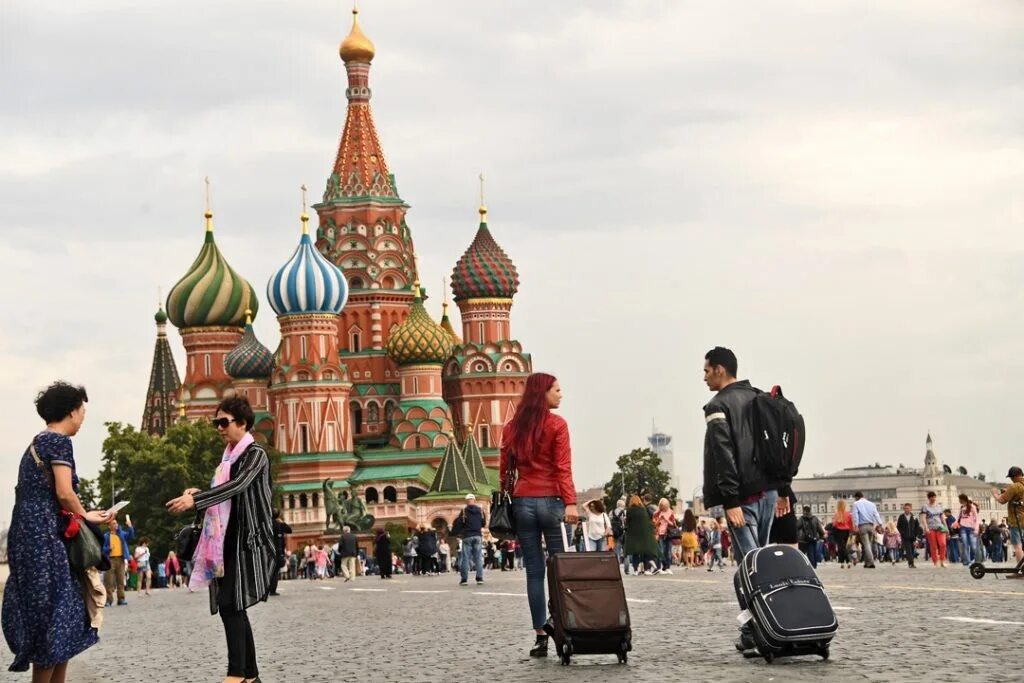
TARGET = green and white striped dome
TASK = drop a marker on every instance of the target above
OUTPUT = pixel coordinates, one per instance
(211, 294)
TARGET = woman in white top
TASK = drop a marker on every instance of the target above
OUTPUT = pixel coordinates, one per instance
(145, 570)
(598, 528)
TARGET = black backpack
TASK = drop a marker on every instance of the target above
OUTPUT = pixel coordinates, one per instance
(778, 435)
(617, 527)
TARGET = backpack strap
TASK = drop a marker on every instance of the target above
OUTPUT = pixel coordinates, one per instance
(39, 463)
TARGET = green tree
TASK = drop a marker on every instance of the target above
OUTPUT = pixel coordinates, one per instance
(88, 494)
(639, 472)
(398, 534)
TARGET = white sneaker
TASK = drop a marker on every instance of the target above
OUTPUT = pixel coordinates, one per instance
(667, 571)
(642, 572)
(655, 572)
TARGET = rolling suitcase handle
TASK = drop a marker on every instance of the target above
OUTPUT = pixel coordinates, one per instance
(565, 539)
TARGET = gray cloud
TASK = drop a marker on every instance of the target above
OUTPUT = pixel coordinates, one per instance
(831, 190)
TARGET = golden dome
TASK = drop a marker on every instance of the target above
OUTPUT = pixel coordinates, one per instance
(356, 47)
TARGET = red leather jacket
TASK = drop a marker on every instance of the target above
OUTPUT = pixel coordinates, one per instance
(549, 472)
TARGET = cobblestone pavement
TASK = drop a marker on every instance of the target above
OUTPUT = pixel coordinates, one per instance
(896, 624)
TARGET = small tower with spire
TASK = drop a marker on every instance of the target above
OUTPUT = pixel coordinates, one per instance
(419, 347)
(208, 306)
(309, 385)
(164, 384)
(932, 469)
(488, 370)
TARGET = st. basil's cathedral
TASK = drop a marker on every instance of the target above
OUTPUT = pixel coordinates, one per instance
(365, 391)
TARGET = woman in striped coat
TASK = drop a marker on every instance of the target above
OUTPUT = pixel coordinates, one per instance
(236, 556)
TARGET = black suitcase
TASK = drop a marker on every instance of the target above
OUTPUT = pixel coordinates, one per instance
(790, 614)
(589, 615)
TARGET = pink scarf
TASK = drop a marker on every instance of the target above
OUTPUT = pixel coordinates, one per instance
(208, 560)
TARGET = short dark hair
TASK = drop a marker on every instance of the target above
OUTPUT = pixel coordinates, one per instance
(807, 509)
(277, 513)
(858, 495)
(931, 494)
(906, 504)
(724, 357)
(59, 400)
(239, 408)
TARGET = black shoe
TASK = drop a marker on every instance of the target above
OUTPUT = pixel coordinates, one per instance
(463, 582)
(540, 648)
(745, 642)
(275, 593)
(479, 582)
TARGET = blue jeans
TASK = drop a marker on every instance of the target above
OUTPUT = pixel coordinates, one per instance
(952, 549)
(758, 516)
(599, 544)
(472, 547)
(536, 518)
(969, 545)
(665, 544)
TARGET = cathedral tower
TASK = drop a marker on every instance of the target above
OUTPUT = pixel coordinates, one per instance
(162, 395)
(310, 388)
(362, 230)
(208, 307)
(488, 370)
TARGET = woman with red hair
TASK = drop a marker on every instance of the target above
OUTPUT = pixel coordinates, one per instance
(536, 468)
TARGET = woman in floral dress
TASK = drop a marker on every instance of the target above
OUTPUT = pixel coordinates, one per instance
(45, 620)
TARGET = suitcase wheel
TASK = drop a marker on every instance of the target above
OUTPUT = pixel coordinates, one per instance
(566, 653)
(769, 657)
(824, 652)
(623, 657)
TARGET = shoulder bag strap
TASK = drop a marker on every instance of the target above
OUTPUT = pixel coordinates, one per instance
(39, 463)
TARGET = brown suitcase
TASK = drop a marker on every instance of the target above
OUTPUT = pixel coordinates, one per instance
(589, 614)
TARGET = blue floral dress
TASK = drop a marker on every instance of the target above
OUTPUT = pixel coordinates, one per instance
(44, 617)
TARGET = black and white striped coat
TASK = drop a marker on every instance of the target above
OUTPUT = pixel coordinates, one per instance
(250, 494)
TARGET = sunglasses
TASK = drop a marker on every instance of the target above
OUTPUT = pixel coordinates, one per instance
(222, 422)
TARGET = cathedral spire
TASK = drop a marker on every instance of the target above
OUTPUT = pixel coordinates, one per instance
(360, 171)
(162, 394)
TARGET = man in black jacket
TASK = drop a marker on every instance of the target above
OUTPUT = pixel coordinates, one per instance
(280, 531)
(348, 549)
(732, 477)
(910, 531)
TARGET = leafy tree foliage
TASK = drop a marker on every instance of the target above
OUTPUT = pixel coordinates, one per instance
(88, 494)
(398, 534)
(640, 471)
(149, 471)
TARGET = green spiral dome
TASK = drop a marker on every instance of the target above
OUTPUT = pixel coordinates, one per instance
(419, 339)
(211, 294)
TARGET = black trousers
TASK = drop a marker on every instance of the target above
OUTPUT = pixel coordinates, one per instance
(237, 630)
(908, 550)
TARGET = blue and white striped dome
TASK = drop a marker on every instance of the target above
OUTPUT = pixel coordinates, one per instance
(307, 283)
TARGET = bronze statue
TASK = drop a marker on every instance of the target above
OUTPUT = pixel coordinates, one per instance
(349, 510)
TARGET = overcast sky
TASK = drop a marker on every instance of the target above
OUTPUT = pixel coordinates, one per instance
(831, 189)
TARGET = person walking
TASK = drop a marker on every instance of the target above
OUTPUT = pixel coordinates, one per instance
(410, 553)
(640, 542)
(909, 530)
(45, 619)
(842, 526)
(236, 554)
(536, 469)
(665, 525)
(891, 541)
(173, 567)
(598, 526)
(715, 542)
(348, 549)
(809, 532)
(115, 547)
(934, 521)
(689, 541)
(472, 552)
(867, 521)
(732, 476)
(382, 553)
(968, 524)
(142, 560)
(280, 531)
(952, 536)
(618, 518)
(443, 553)
(427, 551)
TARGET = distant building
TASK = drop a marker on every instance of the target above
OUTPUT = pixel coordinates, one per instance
(661, 444)
(890, 487)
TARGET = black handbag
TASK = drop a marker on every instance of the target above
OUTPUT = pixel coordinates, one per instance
(83, 548)
(188, 538)
(503, 518)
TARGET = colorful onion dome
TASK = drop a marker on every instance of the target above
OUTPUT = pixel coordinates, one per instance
(485, 271)
(419, 339)
(249, 359)
(210, 294)
(356, 47)
(446, 325)
(307, 283)
(160, 317)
